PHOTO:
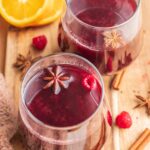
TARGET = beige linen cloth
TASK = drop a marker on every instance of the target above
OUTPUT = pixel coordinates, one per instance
(8, 115)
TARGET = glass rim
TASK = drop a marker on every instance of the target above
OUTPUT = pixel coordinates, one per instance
(40, 123)
(96, 27)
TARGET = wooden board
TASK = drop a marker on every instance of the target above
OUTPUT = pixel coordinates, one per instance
(3, 34)
(136, 79)
(137, 82)
(19, 41)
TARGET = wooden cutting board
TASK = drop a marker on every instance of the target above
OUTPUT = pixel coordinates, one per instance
(136, 79)
(19, 42)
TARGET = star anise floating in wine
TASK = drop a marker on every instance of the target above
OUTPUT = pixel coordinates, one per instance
(56, 78)
(23, 63)
(143, 102)
(113, 39)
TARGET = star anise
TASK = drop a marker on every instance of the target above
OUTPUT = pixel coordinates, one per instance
(23, 63)
(113, 39)
(143, 102)
(56, 79)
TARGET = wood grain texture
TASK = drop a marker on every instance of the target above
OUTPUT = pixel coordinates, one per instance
(136, 79)
(3, 34)
(19, 41)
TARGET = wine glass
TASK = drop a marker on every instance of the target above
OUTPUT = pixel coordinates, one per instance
(108, 33)
(91, 133)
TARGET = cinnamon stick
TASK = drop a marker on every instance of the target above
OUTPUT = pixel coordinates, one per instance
(102, 138)
(117, 80)
(144, 143)
(141, 142)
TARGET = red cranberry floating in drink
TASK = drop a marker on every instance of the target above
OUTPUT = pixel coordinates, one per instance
(62, 104)
(95, 29)
(89, 82)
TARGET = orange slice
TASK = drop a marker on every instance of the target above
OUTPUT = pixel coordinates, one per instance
(58, 8)
(21, 13)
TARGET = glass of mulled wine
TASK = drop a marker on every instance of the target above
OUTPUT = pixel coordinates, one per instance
(106, 32)
(62, 105)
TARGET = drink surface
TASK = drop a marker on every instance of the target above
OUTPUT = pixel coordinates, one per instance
(71, 106)
(107, 13)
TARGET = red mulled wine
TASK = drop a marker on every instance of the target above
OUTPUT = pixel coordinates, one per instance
(108, 33)
(72, 105)
(63, 106)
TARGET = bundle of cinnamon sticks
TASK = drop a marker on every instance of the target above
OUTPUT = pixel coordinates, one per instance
(142, 141)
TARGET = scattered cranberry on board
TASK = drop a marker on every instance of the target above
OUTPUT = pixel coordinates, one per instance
(39, 42)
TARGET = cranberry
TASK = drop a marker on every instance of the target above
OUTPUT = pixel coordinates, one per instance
(109, 118)
(89, 82)
(39, 42)
(124, 120)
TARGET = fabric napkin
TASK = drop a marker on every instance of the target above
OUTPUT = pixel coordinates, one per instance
(8, 115)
